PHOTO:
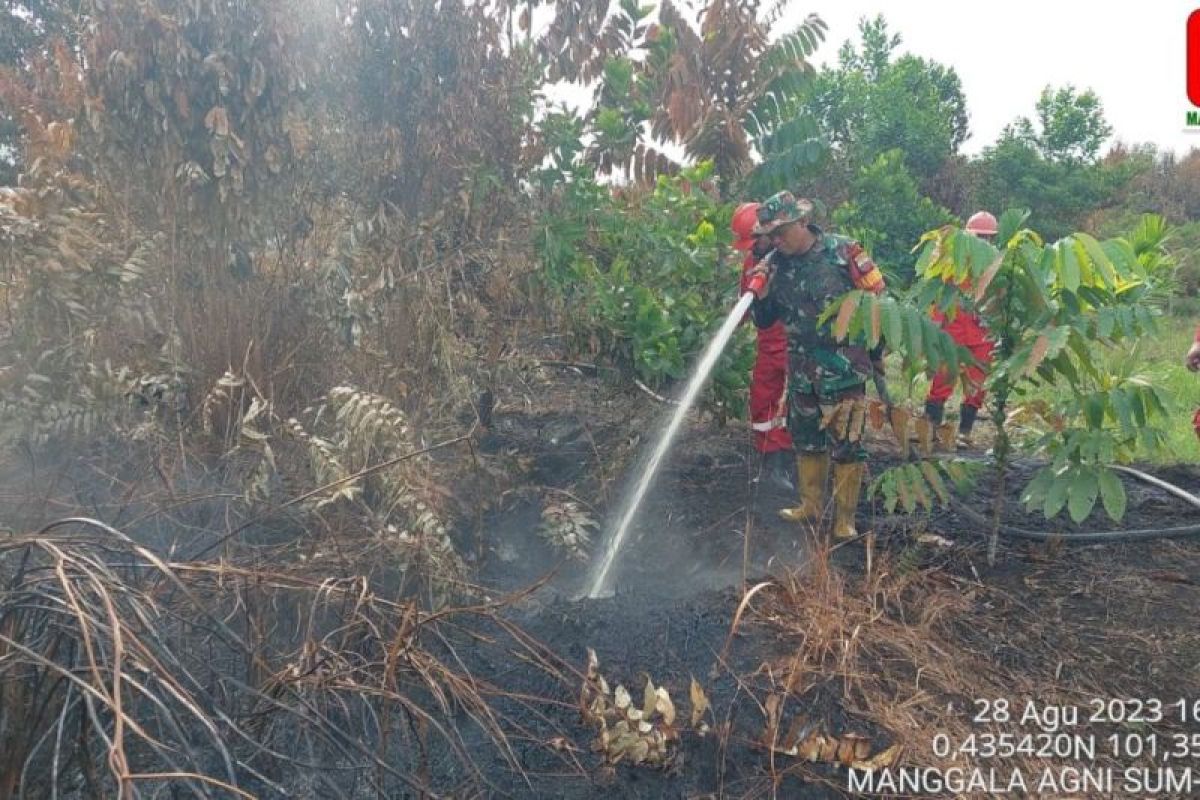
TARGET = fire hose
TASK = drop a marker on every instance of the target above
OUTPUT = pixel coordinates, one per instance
(1093, 537)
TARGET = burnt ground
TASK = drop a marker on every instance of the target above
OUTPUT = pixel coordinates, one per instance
(890, 637)
(1048, 621)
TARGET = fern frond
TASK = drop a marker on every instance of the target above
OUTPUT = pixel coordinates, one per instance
(567, 527)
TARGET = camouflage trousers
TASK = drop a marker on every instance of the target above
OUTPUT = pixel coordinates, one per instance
(833, 425)
(827, 409)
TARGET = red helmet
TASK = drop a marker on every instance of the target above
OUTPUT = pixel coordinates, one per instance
(982, 223)
(742, 225)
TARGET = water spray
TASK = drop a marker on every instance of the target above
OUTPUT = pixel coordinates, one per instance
(703, 368)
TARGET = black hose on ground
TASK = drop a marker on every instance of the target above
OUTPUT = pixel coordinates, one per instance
(1085, 537)
(1093, 537)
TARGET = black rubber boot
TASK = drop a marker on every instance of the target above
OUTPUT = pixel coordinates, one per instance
(934, 411)
(777, 470)
(966, 419)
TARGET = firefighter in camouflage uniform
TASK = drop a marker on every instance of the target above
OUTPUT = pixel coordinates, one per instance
(808, 270)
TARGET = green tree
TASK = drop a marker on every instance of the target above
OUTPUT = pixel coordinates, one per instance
(1071, 126)
(874, 101)
(888, 214)
(895, 124)
(1050, 165)
(1160, 182)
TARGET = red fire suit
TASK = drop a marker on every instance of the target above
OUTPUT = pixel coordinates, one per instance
(968, 331)
(768, 384)
(1196, 416)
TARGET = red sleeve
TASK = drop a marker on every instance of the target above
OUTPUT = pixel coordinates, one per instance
(748, 262)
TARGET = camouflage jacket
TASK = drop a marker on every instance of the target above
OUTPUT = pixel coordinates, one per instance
(801, 289)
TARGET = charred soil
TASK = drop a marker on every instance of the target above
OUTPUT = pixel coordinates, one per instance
(804, 656)
(892, 637)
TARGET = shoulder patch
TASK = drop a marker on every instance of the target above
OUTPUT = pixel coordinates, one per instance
(856, 254)
(863, 271)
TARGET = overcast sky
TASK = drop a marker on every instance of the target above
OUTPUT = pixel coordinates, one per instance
(1005, 51)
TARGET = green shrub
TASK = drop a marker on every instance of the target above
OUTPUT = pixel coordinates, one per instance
(644, 278)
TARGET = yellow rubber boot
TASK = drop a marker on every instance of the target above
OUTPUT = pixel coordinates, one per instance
(847, 487)
(924, 437)
(812, 470)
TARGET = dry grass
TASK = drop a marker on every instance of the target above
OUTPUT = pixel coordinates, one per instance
(903, 657)
(119, 669)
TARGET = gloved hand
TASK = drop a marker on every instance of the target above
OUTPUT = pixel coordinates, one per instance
(1192, 360)
(758, 278)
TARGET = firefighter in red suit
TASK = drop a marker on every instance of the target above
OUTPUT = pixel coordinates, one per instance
(768, 380)
(1192, 360)
(967, 330)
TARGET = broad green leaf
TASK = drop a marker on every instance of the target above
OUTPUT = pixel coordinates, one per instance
(1037, 353)
(1128, 321)
(964, 255)
(1146, 319)
(1010, 223)
(1087, 273)
(845, 312)
(904, 489)
(1096, 296)
(1122, 257)
(1056, 495)
(890, 495)
(935, 480)
(920, 488)
(1153, 402)
(914, 320)
(1098, 258)
(1058, 338)
(953, 354)
(1087, 448)
(1108, 450)
(1066, 367)
(1035, 493)
(1139, 410)
(1093, 409)
(1084, 488)
(924, 260)
(988, 276)
(1112, 493)
(958, 473)
(892, 323)
(1069, 271)
(1119, 399)
(876, 329)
